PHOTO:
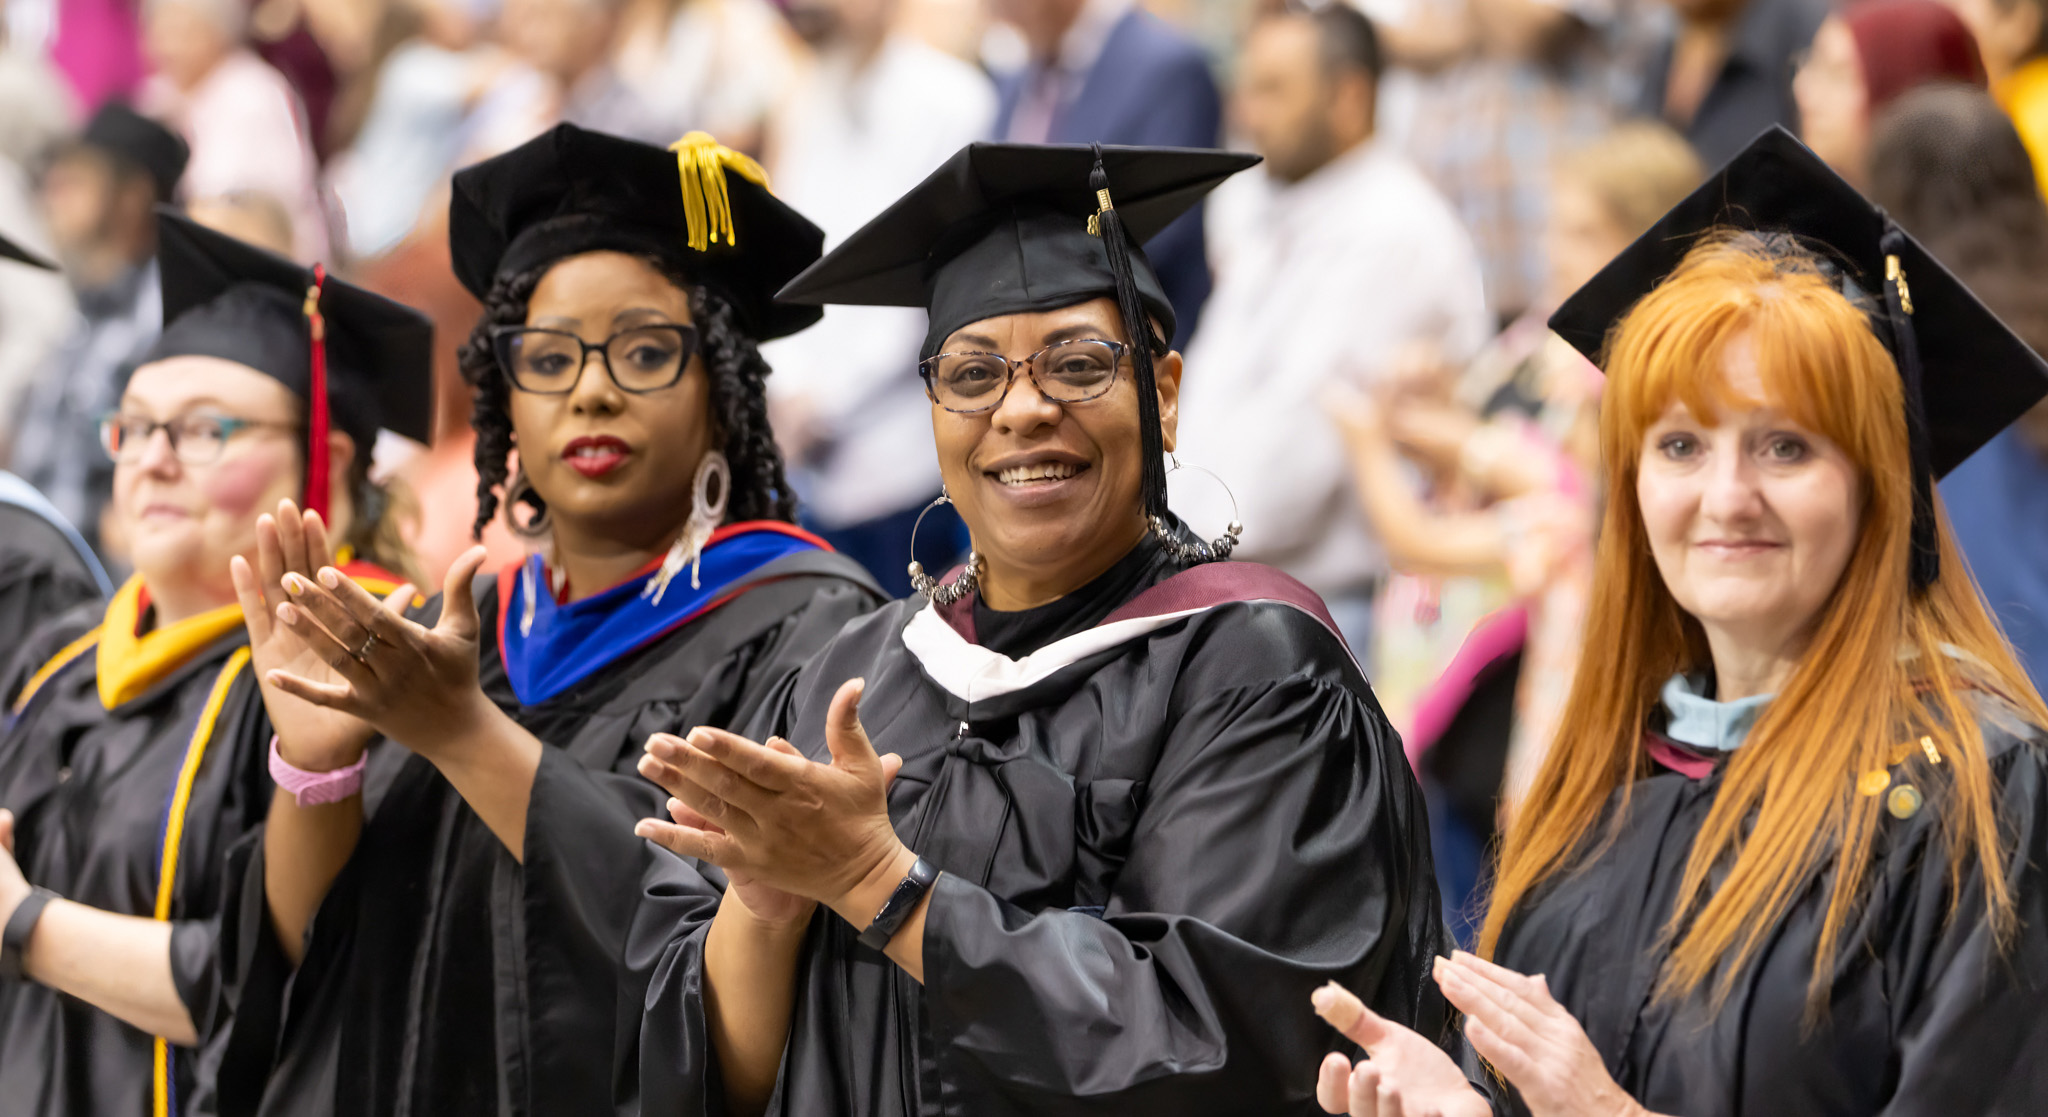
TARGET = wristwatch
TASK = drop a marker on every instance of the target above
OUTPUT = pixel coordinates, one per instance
(896, 910)
(20, 926)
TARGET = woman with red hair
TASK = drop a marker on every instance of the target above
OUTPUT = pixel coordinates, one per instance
(1789, 852)
(1862, 59)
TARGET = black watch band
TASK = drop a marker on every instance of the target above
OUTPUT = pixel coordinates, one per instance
(896, 911)
(20, 926)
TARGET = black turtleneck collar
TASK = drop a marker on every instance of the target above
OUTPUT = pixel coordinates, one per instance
(1024, 631)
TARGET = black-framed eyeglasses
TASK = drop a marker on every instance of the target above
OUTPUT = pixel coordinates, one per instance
(549, 362)
(195, 439)
(1065, 372)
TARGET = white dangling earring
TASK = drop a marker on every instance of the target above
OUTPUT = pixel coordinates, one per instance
(557, 578)
(1194, 554)
(941, 594)
(707, 511)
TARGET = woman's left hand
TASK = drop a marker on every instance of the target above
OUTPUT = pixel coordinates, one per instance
(414, 684)
(1514, 1023)
(778, 818)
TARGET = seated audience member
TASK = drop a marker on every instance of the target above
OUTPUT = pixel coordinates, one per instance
(2012, 35)
(1722, 72)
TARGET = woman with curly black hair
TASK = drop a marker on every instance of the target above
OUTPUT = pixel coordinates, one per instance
(415, 931)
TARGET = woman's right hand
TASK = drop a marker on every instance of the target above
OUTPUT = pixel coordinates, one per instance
(1407, 1076)
(766, 904)
(309, 736)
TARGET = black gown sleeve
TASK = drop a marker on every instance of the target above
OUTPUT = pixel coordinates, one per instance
(40, 577)
(1970, 1031)
(600, 903)
(1282, 844)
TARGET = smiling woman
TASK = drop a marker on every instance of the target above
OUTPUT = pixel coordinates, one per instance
(1074, 832)
(135, 748)
(434, 901)
(1789, 853)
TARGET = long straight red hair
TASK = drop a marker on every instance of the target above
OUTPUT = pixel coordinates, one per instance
(1883, 664)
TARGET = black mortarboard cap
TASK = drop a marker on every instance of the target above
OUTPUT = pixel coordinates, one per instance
(229, 299)
(1967, 375)
(703, 207)
(1015, 228)
(1004, 229)
(126, 134)
(12, 251)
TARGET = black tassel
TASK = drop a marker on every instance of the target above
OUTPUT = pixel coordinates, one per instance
(1138, 329)
(1898, 298)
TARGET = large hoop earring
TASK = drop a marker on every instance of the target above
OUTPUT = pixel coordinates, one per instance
(940, 593)
(1194, 554)
(710, 492)
(519, 491)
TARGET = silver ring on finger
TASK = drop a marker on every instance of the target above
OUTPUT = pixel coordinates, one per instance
(363, 653)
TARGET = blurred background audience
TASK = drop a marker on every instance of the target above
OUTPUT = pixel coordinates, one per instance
(1949, 166)
(1330, 257)
(1369, 380)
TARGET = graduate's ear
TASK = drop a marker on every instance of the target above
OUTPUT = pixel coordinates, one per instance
(1166, 375)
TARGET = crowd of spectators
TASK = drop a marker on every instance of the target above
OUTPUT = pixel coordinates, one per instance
(1370, 387)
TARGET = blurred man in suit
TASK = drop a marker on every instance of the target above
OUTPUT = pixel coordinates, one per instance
(1107, 71)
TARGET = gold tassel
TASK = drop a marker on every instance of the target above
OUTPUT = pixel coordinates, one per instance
(702, 163)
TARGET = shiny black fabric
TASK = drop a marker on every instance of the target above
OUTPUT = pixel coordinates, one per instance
(89, 788)
(41, 575)
(1926, 1015)
(1150, 859)
(417, 994)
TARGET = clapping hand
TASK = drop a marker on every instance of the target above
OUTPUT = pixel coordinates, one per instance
(1407, 1075)
(1514, 1023)
(1511, 1020)
(779, 824)
(414, 684)
(310, 735)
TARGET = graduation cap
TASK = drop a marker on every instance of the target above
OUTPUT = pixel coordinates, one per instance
(699, 205)
(1967, 376)
(12, 251)
(360, 361)
(1017, 228)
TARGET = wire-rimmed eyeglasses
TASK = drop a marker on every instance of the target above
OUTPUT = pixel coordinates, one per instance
(967, 383)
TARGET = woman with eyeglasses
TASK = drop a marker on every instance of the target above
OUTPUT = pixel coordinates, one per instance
(136, 746)
(1074, 831)
(423, 927)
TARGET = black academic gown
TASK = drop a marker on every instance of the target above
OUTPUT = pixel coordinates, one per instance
(1926, 1016)
(416, 995)
(42, 574)
(1156, 841)
(91, 789)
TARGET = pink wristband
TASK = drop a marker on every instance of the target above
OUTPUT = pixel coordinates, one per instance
(313, 789)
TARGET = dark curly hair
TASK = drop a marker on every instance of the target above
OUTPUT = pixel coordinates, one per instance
(739, 403)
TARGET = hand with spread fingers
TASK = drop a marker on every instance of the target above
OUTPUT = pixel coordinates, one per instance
(1514, 1023)
(781, 825)
(414, 684)
(310, 735)
(1511, 1021)
(1406, 1076)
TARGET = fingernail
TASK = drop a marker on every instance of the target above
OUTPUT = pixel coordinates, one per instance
(287, 613)
(294, 584)
(329, 578)
(1322, 998)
